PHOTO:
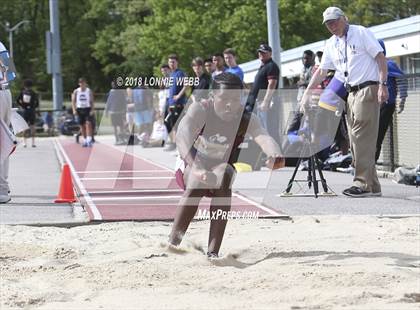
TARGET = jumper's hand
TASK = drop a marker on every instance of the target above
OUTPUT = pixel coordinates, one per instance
(274, 163)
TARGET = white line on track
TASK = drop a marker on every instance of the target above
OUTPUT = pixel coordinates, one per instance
(141, 158)
(121, 171)
(96, 214)
(128, 178)
(272, 212)
(137, 191)
(202, 206)
(135, 198)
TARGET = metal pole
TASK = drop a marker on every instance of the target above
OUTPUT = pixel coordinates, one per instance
(57, 82)
(11, 43)
(274, 32)
(10, 31)
(276, 118)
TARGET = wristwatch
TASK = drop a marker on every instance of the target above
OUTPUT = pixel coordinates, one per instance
(384, 83)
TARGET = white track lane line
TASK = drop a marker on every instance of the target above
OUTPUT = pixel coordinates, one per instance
(121, 171)
(135, 198)
(137, 191)
(159, 204)
(128, 178)
(141, 158)
(272, 212)
(96, 214)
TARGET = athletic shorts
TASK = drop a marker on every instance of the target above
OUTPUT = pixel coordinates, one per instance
(29, 117)
(84, 115)
(143, 117)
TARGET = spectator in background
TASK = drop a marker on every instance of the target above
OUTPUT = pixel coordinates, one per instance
(164, 90)
(143, 110)
(309, 67)
(116, 108)
(265, 83)
(200, 91)
(5, 112)
(209, 66)
(83, 108)
(49, 123)
(318, 57)
(176, 100)
(219, 65)
(28, 101)
(230, 59)
(165, 70)
(130, 111)
(159, 133)
(396, 83)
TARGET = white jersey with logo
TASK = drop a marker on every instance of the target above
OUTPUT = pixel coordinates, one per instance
(82, 98)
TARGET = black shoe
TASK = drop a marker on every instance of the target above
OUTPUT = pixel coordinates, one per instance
(355, 191)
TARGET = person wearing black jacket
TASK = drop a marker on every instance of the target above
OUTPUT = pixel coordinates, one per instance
(29, 102)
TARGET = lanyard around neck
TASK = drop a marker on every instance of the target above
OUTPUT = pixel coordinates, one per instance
(346, 72)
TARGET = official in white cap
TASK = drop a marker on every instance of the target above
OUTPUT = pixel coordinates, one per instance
(5, 113)
(358, 59)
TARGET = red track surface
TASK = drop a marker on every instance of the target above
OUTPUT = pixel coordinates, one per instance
(114, 185)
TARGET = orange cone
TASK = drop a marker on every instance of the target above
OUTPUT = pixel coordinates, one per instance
(66, 193)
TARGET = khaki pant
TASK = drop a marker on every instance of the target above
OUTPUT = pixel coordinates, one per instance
(5, 111)
(363, 122)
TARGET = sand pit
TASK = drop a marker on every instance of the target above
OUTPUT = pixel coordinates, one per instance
(325, 262)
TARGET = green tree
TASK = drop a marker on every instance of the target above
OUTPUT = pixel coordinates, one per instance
(102, 39)
(188, 28)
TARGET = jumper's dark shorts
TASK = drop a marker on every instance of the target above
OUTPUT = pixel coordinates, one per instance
(84, 115)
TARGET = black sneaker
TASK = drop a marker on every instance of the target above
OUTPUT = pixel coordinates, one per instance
(355, 191)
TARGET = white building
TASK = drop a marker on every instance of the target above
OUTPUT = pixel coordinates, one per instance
(402, 42)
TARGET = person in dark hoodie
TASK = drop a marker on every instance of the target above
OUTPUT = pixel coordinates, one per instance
(28, 101)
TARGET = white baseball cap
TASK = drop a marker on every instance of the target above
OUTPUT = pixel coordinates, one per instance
(332, 13)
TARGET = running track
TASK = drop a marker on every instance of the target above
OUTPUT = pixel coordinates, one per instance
(116, 185)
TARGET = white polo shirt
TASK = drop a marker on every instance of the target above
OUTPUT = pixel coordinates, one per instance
(362, 48)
